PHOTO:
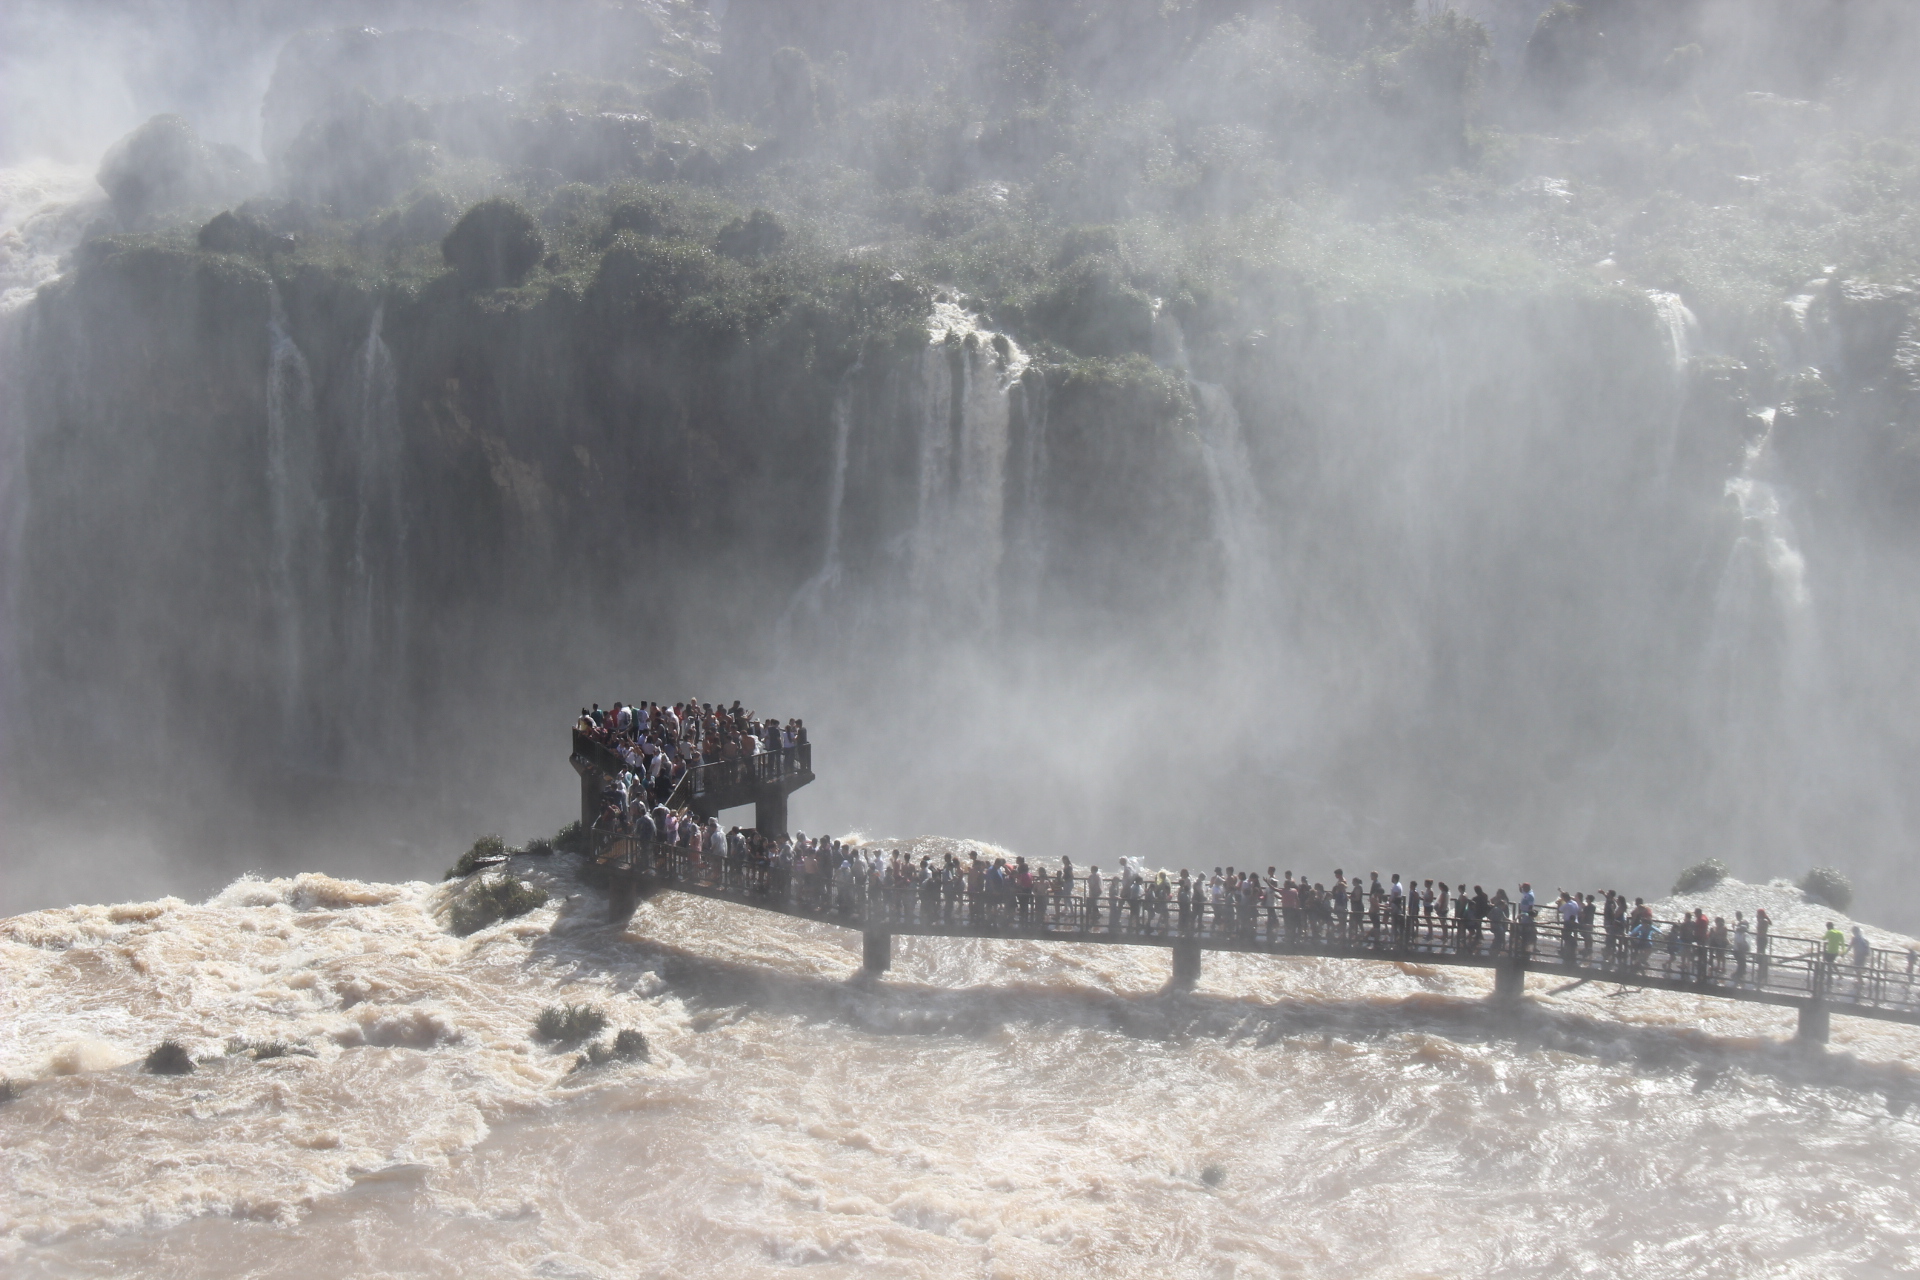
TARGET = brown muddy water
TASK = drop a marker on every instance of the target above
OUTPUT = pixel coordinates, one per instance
(991, 1109)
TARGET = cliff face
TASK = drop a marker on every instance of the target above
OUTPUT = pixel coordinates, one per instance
(1541, 489)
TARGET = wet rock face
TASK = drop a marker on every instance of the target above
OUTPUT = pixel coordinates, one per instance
(164, 167)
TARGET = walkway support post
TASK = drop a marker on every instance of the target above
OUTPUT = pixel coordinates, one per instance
(876, 953)
(623, 895)
(1815, 1023)
(770, 812)
(1186, 962)
(1510, 981)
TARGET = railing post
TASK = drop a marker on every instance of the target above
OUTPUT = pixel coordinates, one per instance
(876, 953)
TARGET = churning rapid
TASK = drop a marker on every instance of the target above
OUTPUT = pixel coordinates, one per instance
(992, 1109)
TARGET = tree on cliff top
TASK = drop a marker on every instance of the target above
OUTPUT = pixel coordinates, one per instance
(496, 243)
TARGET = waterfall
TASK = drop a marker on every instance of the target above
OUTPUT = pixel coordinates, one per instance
(964, 391)
(296, 518)
(1027, 522)
(1678, 326)
(812, 599)
(374, 616)
(1237, 508)
(1766, 706)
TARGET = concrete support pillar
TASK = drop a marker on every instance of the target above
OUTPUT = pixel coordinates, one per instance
(1186, 963)
(770, 813)
(876, 953)
(623, 895)
(1509, 982)
(1815, 1023)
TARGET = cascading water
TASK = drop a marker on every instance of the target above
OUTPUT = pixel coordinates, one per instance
(297, 519)
(43, 209)
(963, 392)
(1766, 707)
(813, 600)
(1238, 509)
(1679, 327)
(1027, 511)
(375, 614)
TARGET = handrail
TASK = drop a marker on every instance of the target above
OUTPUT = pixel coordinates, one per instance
(737, 777)
(763, 768)
(1886, 984)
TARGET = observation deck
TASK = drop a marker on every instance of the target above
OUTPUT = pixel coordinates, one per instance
(1790, 972)
(763, 780)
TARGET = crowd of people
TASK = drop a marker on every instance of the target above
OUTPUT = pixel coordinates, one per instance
(657, 743)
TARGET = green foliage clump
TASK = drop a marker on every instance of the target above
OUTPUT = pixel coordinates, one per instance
(1092, 309)
(10, 1090)
(539, 847)
(568, 1024)
(169, 1058)
(491, 901)
(754, 236)
(1701, 876)
(488, 848)
(496, 243)
(1830, 886)
(573, 838)
(629, 1045)
(680, 287)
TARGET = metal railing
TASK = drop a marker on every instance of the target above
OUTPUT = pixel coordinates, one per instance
(1780, 968)
(733, 781)
(743, 775)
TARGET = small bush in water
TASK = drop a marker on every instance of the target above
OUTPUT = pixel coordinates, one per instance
(486, 849)
(169, 1058)
(1701, 876)
(1828, 885)
(491, 901)
(568, 1024)
(9, 1091)
(629, 1044)
(573, 838)
(539, 847)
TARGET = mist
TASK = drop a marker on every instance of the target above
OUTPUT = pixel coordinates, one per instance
(1473, 440)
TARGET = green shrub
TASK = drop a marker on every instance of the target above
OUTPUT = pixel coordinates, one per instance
(1829, 886)
(1701, 876)
(10, 1090)
(754, 236)
(628, 1045)
(169, 1058)
(573, 838)
(493, 900)
(496, 243)
(539, 847)
(568, 1024)
(489, 848)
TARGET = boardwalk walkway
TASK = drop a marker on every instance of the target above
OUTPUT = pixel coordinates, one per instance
(1792, 972)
